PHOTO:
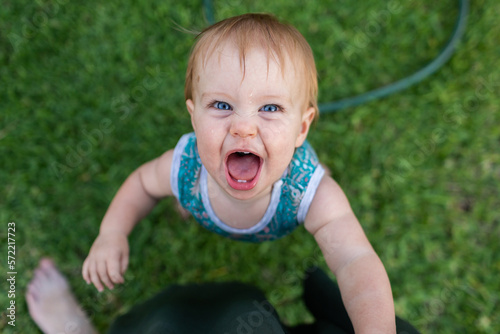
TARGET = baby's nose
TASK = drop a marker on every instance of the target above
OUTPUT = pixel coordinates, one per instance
(243, 125)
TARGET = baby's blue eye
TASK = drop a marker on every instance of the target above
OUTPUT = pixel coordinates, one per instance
(270, 107)
(222, 105)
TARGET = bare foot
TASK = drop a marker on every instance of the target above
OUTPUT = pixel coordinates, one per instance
(52, 305)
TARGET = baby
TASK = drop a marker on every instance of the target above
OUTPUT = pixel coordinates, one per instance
(247, 171)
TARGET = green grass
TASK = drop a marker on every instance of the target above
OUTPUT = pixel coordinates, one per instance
(90, 90)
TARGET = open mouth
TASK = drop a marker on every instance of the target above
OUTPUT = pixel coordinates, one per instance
(243, 169)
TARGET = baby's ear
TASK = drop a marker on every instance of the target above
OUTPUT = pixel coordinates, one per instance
(307, 118)
(190, 108)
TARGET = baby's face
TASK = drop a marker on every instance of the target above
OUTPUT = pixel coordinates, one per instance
(247, 125)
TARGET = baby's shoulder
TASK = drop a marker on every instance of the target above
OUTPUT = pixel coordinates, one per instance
(328, 203)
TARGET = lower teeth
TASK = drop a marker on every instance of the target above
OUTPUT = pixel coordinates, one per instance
(242, 181)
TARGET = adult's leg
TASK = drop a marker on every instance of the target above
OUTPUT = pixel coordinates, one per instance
(52, 305)
(217, 308)
(322, 298)
(318, 327)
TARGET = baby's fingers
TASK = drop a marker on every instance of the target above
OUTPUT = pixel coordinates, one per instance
(85, 271)
(94, 277)
(102, 272)
(124, 263)
(114, 272)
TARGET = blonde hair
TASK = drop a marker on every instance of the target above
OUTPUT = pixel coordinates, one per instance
(279, 40)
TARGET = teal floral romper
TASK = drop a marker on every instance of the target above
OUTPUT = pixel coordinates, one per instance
(291, 196)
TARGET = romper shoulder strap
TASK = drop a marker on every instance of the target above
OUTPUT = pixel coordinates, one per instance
(185, 148)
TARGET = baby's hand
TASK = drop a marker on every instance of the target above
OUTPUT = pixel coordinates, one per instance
(107, 260)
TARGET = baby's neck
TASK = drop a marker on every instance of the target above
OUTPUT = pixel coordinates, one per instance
(235, 212)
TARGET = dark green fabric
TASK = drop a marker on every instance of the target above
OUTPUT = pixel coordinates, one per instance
(209, 308)
(322, 298)
(227, 308)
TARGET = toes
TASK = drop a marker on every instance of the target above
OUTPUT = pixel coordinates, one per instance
(55, 276)
(46, 263)
(44, 268)
(31, 301)
(38, 278)
(40, 274)
(31, 294)
(50, 275)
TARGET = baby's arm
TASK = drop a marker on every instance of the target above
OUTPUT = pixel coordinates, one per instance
(108, 256)
(361, 276)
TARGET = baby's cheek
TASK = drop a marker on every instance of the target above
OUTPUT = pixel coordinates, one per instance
(275, 131)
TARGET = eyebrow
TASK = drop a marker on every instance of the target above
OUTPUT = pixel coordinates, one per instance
(274, 97)
(265, 97)
(203, 96)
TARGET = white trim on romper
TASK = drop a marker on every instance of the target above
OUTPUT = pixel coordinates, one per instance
(271, 209)
(176, 164)
(310, 192)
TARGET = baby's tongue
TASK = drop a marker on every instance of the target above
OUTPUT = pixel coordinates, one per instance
(243, 166)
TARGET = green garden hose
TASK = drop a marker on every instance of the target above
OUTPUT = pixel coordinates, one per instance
(397, 86)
